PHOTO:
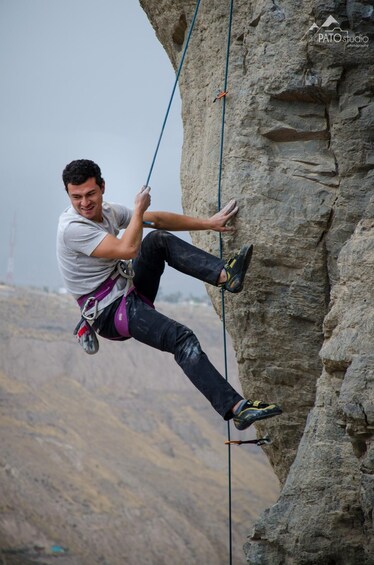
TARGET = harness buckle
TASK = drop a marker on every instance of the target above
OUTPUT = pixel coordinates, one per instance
(93, 316)
(126, 269)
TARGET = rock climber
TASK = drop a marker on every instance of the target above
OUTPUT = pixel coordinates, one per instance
(115, 279)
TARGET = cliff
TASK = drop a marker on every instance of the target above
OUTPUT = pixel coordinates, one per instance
(299, 158)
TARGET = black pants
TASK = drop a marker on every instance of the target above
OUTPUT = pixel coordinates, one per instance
(154, 329)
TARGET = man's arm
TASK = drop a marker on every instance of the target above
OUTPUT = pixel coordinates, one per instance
(179, 222)
(127, 246)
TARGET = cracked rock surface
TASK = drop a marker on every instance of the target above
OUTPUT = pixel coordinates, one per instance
(299, 158)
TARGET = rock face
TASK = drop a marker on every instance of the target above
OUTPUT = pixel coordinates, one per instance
(299, 158)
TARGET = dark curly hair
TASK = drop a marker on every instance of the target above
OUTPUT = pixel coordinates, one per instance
(77, 172)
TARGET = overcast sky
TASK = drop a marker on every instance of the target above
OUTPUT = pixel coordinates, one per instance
(80, 79)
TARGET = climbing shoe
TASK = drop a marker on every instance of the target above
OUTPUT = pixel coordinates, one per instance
(236, 268)
(254, 410)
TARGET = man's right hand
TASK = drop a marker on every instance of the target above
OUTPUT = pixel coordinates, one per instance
(127, 246)
(143, 199)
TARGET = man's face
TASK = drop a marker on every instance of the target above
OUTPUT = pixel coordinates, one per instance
(87, 199)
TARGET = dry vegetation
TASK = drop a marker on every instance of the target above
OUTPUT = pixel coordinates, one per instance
(115, 458)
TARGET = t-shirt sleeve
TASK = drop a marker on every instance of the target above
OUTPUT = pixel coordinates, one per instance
(123, 215)
(82, 237)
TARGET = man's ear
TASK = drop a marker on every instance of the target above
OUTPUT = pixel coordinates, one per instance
(103, 187)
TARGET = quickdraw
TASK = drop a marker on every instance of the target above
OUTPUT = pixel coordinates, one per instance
(220, 94)
(260, 441)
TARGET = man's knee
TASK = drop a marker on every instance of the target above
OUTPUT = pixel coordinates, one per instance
(187, 345)
(155, 238)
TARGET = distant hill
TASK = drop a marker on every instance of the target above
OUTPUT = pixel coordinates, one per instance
(114, 459)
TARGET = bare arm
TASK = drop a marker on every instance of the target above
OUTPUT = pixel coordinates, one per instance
(178, 222)
(127, 246)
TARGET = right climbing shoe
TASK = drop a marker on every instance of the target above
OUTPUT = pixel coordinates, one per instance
(236, 268)
(254, 410)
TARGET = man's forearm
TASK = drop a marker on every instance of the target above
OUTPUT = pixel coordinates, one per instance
(125, 247)
(133, 234)
(176, 222)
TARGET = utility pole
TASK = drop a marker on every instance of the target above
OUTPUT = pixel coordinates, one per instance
(9, 278)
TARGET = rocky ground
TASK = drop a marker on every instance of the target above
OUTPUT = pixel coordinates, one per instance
(113, 458)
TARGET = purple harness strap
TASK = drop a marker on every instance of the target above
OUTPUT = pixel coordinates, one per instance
(101, 292)
(121, 322)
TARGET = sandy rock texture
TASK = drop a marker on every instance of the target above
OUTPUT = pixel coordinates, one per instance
(299, 158)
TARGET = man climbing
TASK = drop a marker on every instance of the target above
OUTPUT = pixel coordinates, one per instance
(116, 297)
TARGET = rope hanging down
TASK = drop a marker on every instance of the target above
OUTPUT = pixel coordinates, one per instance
(173, 91)
(222, 98)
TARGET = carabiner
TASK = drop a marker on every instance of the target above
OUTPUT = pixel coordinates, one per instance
(90, 317)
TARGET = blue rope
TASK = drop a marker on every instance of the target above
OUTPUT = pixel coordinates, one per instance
(219, 207)
(224, 111)
(220, 166)
(173, 91)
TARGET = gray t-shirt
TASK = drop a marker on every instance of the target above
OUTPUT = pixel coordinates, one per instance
(77, 238)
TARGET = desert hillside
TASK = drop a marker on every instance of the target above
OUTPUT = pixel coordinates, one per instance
(114, 459)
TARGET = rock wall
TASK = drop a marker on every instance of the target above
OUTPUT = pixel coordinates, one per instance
(299, 158)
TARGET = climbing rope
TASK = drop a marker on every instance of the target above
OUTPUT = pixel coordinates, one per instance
(222, 97)
(173, 91)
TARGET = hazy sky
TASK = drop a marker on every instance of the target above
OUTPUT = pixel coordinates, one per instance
(80, 79)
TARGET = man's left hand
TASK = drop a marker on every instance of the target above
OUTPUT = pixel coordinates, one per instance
(218, 221)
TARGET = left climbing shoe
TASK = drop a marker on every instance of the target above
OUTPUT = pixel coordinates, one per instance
(254, 410)
(236, 269)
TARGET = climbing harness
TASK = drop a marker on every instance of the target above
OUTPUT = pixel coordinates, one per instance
(89, 305)
(121, 322)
